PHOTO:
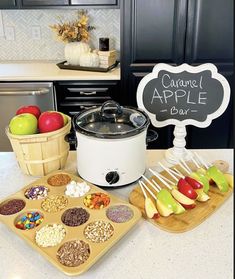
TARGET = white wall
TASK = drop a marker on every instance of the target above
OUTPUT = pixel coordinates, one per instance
(17, 42)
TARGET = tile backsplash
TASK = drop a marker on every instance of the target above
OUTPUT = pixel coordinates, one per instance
(27, 36)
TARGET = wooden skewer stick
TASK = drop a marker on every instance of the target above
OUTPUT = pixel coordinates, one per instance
(182, 176)
(160, 178)
(154, 187)
(179, 174)
(142, 188)
(166, 179)
(201, 160)
(186, 166)
(158, 186)
(167, 170)
(183, 167)
(146, 188)
(194, 161)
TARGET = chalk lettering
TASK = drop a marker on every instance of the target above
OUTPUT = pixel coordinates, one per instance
(179, 93)
(167, 94)
(200, 82)
(200, 98)
(156, 96)
(188, 99)
(168, 82)
(175, 111)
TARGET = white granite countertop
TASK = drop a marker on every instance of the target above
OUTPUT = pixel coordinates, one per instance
(49, 71)
(206, 252)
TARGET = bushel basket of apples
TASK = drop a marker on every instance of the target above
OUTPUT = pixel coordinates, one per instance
(38, 139)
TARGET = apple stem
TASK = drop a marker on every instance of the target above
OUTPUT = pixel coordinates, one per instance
(186, 166)
(167, 170)
(161, 178)
(154, 187)
(150, 192)
(201, 160)
(142, 188)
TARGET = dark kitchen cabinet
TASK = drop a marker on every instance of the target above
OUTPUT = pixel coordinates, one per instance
(8, 4)
(176, 32)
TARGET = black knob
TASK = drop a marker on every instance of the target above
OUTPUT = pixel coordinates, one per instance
(112, 177)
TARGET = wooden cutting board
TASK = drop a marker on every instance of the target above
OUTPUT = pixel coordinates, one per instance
(190, 218)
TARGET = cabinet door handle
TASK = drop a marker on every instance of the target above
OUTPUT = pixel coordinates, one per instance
(21, 92)
(88, 93)
(87, 107)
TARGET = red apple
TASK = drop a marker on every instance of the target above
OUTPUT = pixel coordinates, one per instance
(35, 110)
(189, 206)
(193, 182)
(185, 188)
(50, 121)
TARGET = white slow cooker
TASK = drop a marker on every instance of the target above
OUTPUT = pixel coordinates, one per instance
(111, 144)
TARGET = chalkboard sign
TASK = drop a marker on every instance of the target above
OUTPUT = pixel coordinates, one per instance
(183, 95)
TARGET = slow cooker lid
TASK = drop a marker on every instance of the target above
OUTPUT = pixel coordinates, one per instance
(111, 121)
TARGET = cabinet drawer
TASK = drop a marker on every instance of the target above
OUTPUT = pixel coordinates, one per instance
(86, 90)
(73, 108)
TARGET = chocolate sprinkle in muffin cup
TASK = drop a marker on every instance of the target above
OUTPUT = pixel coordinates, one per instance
(59, 179)
(119, 213)
(75, 217)
(11, 207)
(73, 253)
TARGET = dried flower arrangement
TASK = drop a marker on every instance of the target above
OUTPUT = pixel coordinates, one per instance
(73, 31)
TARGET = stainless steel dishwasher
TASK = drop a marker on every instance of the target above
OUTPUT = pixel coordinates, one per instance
(16, 94)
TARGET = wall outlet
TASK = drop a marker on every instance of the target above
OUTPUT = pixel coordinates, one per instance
(9, 33)
(36, 32)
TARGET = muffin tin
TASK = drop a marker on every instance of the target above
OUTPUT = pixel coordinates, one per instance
(77, 237)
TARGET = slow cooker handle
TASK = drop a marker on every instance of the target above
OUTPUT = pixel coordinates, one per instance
(106, 106)
(152, 135)
(71, 139)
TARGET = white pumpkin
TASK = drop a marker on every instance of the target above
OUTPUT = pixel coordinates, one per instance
(74, 50)
(89, 59)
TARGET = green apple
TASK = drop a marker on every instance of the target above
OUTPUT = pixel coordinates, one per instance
(166, 198)
(218, 177)
(229, 178)
(201, 178)
(162, 209)
(23, 124)
(202, 196)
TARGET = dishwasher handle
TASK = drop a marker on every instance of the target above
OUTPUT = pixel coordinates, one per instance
(39, 91)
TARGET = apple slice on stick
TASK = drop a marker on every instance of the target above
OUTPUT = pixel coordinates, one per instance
(150, 208)
(183, 186)
(181, 198)
(199, 183)
(166, 198)
(215, 175)
(162, 209)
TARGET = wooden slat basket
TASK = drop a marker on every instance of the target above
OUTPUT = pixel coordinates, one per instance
(40, 154)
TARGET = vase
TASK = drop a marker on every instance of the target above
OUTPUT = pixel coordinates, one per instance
(73, 51)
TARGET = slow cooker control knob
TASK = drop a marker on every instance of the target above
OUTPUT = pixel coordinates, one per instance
(112, 177)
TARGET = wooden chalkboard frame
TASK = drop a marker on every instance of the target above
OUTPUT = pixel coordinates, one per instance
(178, 69)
